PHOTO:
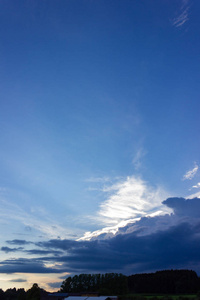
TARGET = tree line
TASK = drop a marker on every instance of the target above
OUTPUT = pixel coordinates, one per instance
(104, 284)
(161, 282)
(34, 293)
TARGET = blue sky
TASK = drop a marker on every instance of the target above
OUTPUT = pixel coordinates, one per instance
(99, 116)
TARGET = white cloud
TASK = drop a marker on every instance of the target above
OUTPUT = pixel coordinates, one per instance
(130, 198)
(138, 158)
(184, 3)
(183, 15)
(196, 186)
(128, 201)
(109, 231)
(191, 173)
(38, 219)
(98, 179)
(195, 195)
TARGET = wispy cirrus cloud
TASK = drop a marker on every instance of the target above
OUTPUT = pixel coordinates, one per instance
(191, 173)
(98, 179)
(183, 15)
(127, 201)
(137, 159)
(130, 198)
(41, 221)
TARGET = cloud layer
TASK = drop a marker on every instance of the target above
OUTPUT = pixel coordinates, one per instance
(151, 243)
(127, 201)
(191, 173)
(183, 15)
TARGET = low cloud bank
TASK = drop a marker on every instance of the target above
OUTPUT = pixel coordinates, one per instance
(152, 243)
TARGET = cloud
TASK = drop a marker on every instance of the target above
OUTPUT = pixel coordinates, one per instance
(28, 228)
(184, 207)
(55, 284)
(18, 242)
(137, 160)
(150, 244)
(60, 244)
(195, 195)
(32, 251)
(184, 3)
(63, 276)
(183, 15)
(7, 249)
(197, 186)
(130, 198)
(40, 220)
(98, 179)
(127, 201)
(191, 173)
(183, 210)
(42, 252)
(22, 265)
(131, 253)
(18, 280)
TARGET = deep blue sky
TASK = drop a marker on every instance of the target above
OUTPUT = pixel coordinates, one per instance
(99, 118)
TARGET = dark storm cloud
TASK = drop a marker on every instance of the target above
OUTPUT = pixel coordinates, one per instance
(177, 247)
(162, 242)
(43, 252)
(157, 243)
(184, 210)
(33, 251)
(184, 207)
(22, 265)
(61, 244)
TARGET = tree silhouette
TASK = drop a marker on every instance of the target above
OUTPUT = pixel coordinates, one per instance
(33, 293)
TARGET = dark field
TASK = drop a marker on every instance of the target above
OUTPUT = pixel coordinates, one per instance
(159, 297)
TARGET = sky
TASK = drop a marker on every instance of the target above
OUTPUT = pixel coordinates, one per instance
(100, 148)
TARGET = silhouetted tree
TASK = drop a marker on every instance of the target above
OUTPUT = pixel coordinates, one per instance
(105, 284)
(10, 294)
(21, 294)
(2, 294)
(164, 282)
(33, 293)
(161, 282)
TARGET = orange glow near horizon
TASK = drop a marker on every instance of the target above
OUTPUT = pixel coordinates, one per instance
(10, 280)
